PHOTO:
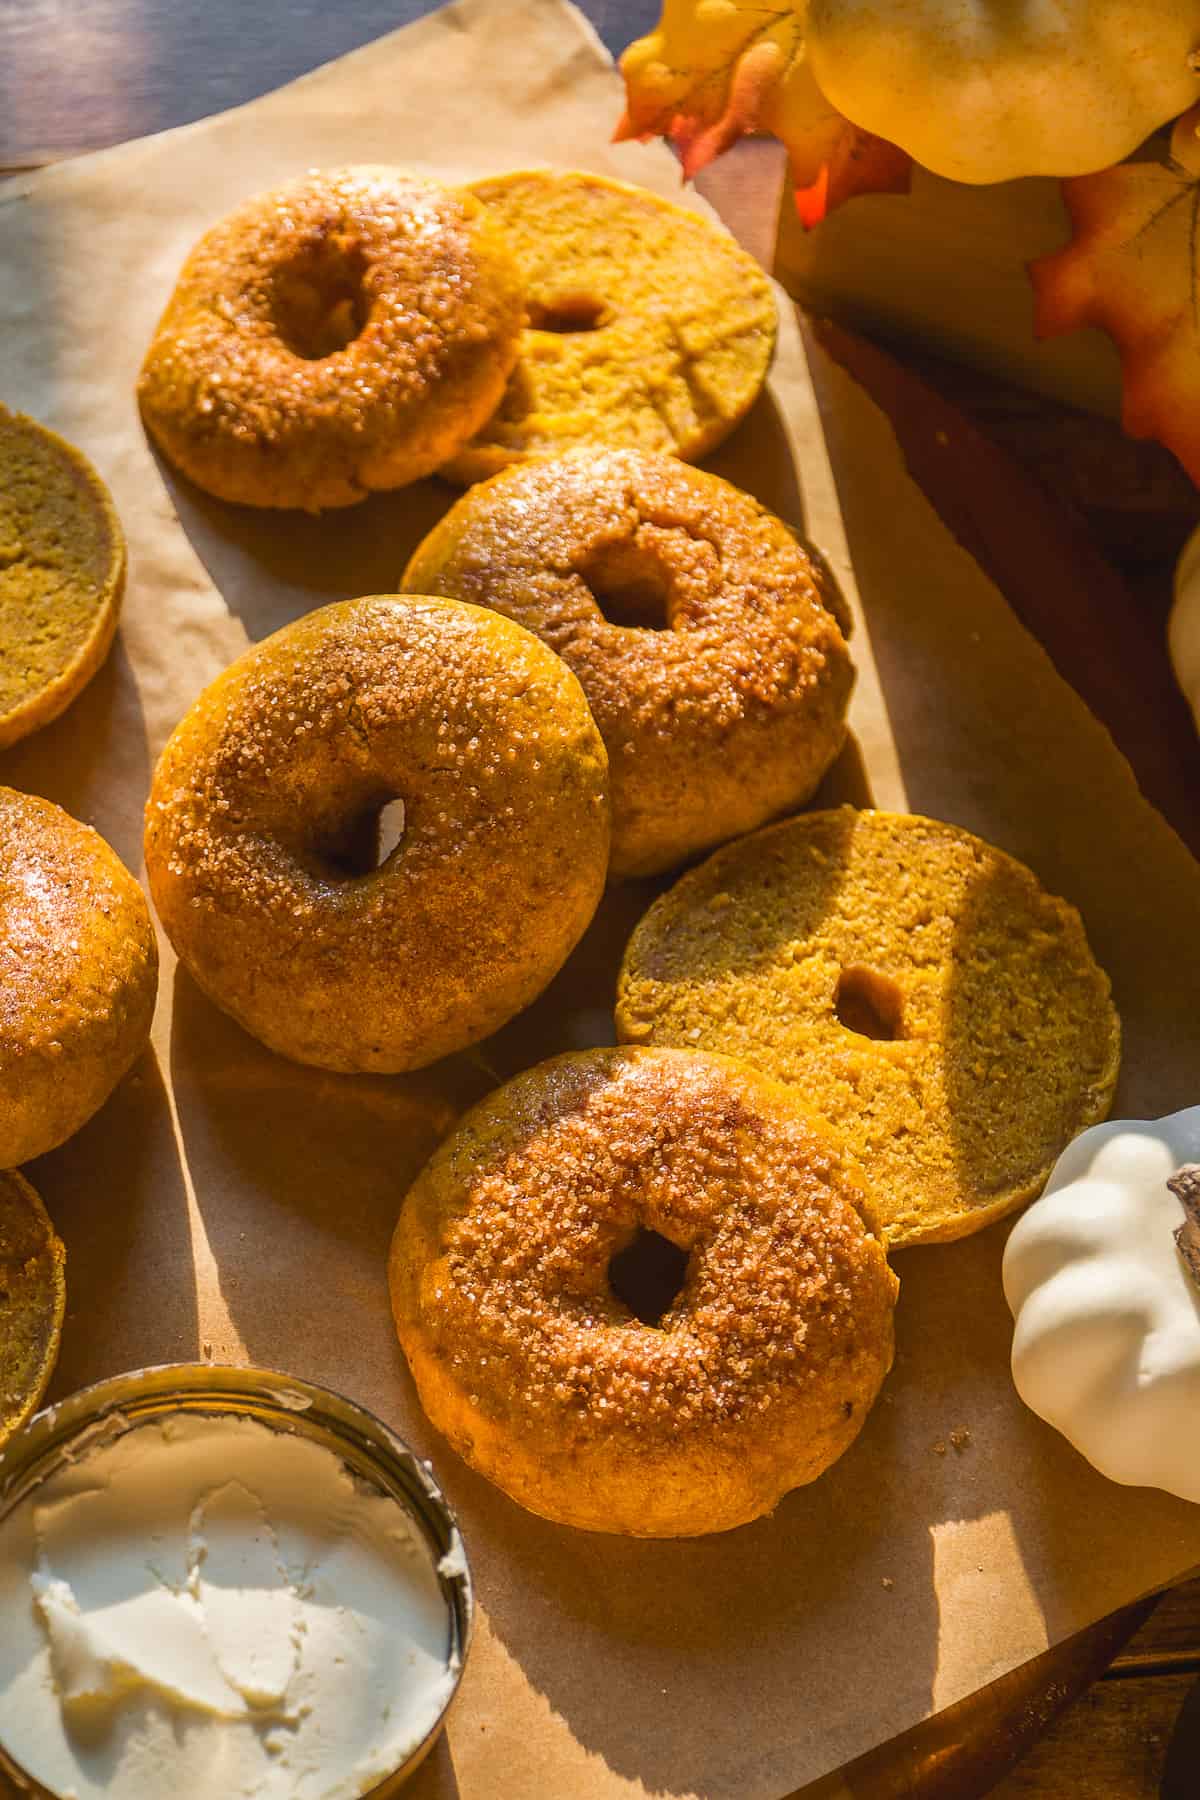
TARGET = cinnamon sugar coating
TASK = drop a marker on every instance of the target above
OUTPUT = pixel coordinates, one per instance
(78, 974)
(703, 634)
(648, 325)
(262, 831)
(343, 333)
(762, 1369)
(916, 986)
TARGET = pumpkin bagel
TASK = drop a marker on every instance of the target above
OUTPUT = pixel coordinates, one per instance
(343, 333)
(62, 574)
(33, 1300)
(78, 974)
(262, 831)
(702, 633)
(511, 1254)
(648, 326)
(916, 987)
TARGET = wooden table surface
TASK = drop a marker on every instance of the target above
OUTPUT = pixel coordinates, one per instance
(78, 76)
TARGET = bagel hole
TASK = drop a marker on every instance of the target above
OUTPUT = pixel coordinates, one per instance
(869, 1003)
(647, 1275)
(629, 588)
(365, 842)
(319, 298)
(567, 313)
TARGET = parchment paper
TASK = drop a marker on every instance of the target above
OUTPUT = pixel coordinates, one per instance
(228, 1204)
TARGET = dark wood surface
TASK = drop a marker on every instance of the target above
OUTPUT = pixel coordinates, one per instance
(1135, 1735)
(79, 75)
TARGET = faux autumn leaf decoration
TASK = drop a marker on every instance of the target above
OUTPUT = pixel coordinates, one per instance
(717, 69)
(1133, 269)
(981, 90)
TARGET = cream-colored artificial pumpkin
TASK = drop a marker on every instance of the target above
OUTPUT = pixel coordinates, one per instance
(1183, 629)
(986, 90)
(1103, 1278)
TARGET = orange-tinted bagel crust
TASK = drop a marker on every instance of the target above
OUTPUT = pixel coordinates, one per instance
(343, 333)
(78, 974)
(261, 831)
(762, 1369)
(702, 634)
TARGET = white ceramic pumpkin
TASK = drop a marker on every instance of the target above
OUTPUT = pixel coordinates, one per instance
(1103, 1278)
(1183, 629)
(985, 90)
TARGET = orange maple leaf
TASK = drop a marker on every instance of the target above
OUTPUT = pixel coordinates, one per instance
(1133, 269)
(710, 74)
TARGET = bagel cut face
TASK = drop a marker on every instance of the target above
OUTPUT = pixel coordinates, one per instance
(648, 326)
(262, 831)
(62, 574)
(642, 1291)
(914, 985)
(33, 1298)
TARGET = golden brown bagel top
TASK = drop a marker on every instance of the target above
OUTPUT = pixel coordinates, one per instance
(703, 634)
(78, 974)
(342, 333)
(759, 1372)
(261, 830)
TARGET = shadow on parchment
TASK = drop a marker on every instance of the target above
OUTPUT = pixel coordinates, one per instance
(92, 760)
(758, 457)
(271, 567)
(117, 1196)
(632, 1642)
(846, 783)
(435, 1779)
(299, 1175)
(576, 1011)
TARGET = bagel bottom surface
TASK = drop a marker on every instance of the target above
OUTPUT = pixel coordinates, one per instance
(556, 1372)
(915, 986)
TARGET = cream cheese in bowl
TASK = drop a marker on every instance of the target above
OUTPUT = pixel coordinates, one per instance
(220, 1583)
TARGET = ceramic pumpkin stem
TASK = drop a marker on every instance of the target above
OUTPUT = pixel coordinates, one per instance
(1185, 1185)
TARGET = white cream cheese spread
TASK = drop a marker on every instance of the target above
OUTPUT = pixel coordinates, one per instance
(205, 1607)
